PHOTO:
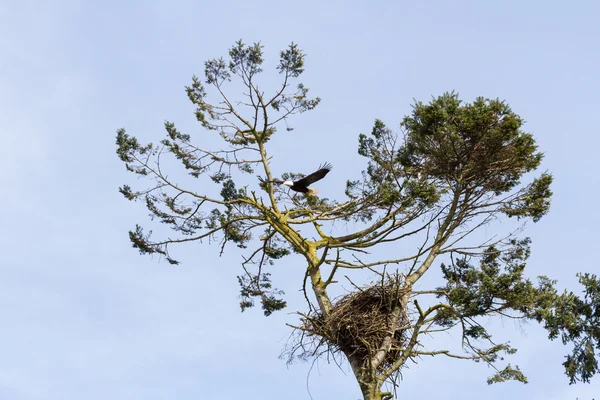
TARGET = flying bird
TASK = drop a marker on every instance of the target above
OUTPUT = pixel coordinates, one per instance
(301, 185)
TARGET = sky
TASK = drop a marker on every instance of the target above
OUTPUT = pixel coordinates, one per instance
(84, 316)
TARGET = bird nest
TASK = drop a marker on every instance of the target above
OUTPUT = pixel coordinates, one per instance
(358, 324)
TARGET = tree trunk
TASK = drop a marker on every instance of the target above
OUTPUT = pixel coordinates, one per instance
(373, 392)
(369, 385)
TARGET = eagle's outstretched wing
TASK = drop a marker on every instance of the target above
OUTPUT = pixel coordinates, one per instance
(263, 180)
(315, 176)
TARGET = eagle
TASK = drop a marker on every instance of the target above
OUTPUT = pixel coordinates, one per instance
(301, 185)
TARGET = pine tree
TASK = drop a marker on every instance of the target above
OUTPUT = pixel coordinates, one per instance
(451, 169)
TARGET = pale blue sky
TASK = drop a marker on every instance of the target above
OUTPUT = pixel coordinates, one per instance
(84, 316)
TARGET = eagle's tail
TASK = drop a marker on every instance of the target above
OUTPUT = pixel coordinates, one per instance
(312, 191)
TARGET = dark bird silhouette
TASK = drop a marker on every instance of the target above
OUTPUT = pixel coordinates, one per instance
(301, 185)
